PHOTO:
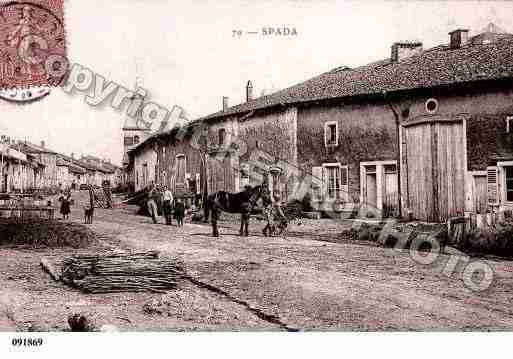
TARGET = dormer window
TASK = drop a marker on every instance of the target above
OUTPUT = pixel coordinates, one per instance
(222, 136)
(509, 124)
(331, 133)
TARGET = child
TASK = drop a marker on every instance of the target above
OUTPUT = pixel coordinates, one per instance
(65, 206)
(179, 212)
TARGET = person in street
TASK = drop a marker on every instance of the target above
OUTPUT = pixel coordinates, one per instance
(272, 210)
(168, 205)
(152, 203)
(179, 212)
(65, 205)
(267, 205)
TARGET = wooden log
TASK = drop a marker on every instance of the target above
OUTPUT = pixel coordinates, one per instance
(50, 269)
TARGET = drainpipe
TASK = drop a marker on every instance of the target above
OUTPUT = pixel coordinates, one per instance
(398, 159)
(246, 116)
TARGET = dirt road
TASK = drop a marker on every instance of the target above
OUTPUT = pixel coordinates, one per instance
(306, 284)
(297, 283)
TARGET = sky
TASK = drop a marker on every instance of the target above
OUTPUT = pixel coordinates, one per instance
(187, 55)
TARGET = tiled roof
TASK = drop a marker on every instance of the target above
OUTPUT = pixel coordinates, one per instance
(434, 67)
(71, 166)
(431, 68)
(28, 147)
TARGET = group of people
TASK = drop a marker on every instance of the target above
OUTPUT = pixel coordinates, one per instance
(175, 208)
(171, 207)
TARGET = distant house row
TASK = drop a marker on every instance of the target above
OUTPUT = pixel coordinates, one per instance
(25, 166)
(426, 133)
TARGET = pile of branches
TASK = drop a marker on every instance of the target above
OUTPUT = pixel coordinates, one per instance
(44, 233)
(121, 272)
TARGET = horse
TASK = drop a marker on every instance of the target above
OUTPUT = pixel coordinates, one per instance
(242, 202)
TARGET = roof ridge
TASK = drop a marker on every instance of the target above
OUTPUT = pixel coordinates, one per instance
(430, 68)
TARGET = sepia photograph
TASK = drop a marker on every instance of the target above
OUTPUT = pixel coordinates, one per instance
(247, 170)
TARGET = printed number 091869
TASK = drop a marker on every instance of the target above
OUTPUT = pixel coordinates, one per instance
(27, 342)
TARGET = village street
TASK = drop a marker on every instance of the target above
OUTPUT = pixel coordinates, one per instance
(299, 282)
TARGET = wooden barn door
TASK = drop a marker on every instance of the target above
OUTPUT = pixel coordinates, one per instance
(435, 164)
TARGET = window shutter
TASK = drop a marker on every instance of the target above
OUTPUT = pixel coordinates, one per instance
(492, 185)
(324, 184)
(317, 181)
(344, 182)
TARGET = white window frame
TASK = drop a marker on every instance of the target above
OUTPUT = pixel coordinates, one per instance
(326, 133)
(380, 165)
(343, 189)
(509, 119)
(501, 181)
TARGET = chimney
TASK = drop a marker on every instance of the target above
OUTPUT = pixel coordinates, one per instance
(225, 103)
(72, 155)
(459, 37)
(249, 91)
(43, 144)
(403, 50)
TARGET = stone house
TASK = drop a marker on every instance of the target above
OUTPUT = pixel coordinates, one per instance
(45, 156)
(70, 174)
(424, 133)
(19, 171)
(144, 164)
(99, 170)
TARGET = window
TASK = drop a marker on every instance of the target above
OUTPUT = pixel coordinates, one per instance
(390, 169)
(331, 133)
(509, 183)
(509, 122)
(333, 179)
(136, 140)
(431, 106)
(370, 169)
(129, 141)
(222, 135)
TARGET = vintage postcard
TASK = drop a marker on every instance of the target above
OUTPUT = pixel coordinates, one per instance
(237, 166)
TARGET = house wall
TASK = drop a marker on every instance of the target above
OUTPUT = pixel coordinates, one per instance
(50, 170)
(145, 155)
(366, 133)
(367, 130)
(167, 153)
(63, 177)
(261, 141)
(20, 176)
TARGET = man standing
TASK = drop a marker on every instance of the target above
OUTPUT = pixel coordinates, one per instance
(152, 204)
(168, 204)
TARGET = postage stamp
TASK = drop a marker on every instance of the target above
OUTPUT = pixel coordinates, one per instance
(31, 32)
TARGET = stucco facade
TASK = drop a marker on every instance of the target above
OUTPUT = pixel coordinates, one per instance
(145, 161)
